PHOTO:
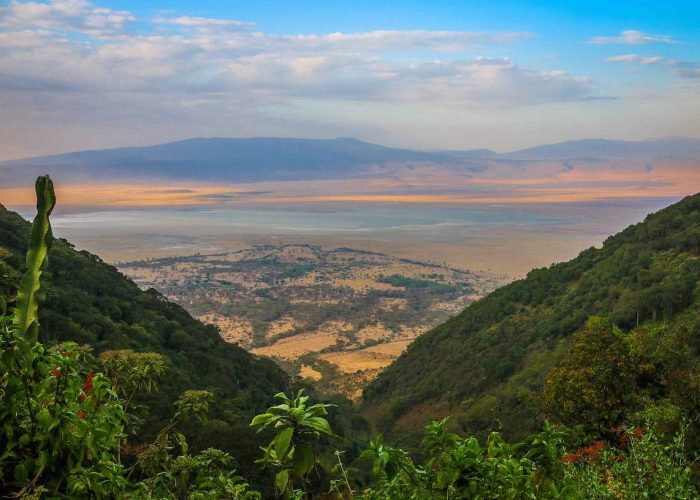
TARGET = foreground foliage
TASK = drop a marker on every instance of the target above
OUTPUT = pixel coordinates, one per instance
(459, 467)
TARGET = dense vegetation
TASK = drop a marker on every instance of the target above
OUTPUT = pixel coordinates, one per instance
(625, 409)
(487, 365)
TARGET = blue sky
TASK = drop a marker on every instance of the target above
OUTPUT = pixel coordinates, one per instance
(362, 15)
(79, 74)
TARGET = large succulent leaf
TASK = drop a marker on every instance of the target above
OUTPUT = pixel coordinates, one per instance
(26, 313)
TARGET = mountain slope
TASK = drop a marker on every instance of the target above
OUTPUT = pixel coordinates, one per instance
(218, 159)
(666, 148)
(648, 150)
(489, 362)
(90, 302)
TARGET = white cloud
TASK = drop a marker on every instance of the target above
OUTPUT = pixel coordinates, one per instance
(634, 58)
(631, 37)
(483, 80)
(211, 59)
(78, 16)
(391, 40)
(227, 64)
(203, 23)
(624, 58)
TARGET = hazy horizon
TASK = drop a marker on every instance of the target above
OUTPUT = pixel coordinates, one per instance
(408, 147)
(508, 240)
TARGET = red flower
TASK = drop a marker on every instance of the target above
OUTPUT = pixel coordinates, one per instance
(87, 386)
(56, 372)
(638, 432)
(591, 452)
(81, 414)
(570, 458)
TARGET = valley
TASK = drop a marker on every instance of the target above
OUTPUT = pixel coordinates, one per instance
(335, 315)
(349, 250)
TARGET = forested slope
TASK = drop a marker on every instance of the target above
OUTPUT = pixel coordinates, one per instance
(90, 302)
(488, 364)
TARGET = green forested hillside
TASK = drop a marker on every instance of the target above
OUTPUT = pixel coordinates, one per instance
(488, 364)
(89, 302)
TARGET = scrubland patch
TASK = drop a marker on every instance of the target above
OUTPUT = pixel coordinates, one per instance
(293, 347)
(305, 371)
(354, 361)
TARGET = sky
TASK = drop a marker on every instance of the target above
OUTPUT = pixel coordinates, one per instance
(77, 75)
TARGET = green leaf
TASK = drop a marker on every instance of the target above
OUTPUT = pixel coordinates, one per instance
(303, 458)
(183, 442)
(282, 396)
(43, 459)
(20, 473)
(262, 418)
(26, 317)
(282, 440)
(281, 481)
(320, 424)
(318, 409)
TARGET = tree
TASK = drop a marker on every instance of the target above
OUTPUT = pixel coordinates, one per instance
(594, 384)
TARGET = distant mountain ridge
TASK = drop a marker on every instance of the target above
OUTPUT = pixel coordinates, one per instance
(650, 149)
(220, 159)
(287, 159)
